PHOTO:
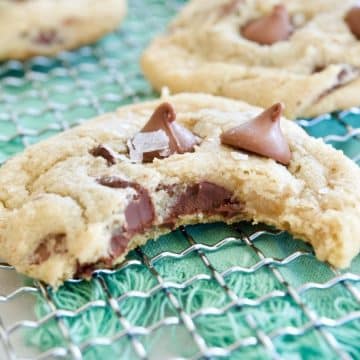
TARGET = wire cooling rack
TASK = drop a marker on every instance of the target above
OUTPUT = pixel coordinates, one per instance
(207, 291)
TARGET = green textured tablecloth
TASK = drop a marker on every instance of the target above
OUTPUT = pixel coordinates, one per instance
(208, 291)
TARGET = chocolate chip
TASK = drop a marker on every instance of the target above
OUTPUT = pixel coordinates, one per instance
(139, 217)
(47, 37)
(139, 213)
(347, 74)
(84, 271)
(318, 68)
(204, 197)
(51, 244)
(271, 28)
(181, 140)
(352, 19)
(104, 152)
(207, 198)
(262, 136)
(41, 254)
(117, 182)
(119, 243)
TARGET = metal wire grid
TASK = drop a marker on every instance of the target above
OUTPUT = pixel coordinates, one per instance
(45, 96)
(343, 133)
(134, 333)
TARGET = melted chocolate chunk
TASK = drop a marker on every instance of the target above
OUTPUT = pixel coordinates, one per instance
(206, 198)
(352, 19)
(119, 243)
(139, 213)
(262, 136)
(52, 243)
(104, 152)
(85, 270)
(181, 140)
(269, 29)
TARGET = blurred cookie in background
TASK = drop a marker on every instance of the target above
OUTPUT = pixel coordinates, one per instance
(45, 27)
(305, 54)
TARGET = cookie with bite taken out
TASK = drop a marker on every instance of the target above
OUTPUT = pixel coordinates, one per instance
(84, 198)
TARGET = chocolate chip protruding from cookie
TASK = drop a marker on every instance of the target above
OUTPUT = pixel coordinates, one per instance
(269, 29)
(261, 135)
(162, 122)
(352, 19)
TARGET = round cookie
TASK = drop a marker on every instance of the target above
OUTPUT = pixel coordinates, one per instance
(303, 53)
(46, 27)
(84, 198)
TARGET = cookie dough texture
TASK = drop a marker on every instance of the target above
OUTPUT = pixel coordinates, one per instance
(50, 198)
(46, 27)
(204, 50)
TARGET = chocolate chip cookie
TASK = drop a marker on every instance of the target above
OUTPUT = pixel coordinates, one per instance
(83, 199)
(46, 27)
(303, 53)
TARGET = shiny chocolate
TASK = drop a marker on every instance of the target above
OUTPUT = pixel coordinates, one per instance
(352, 19)
(181, 140)
(271, 28)
(139, 213)
(261, 135)
(207, 198)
